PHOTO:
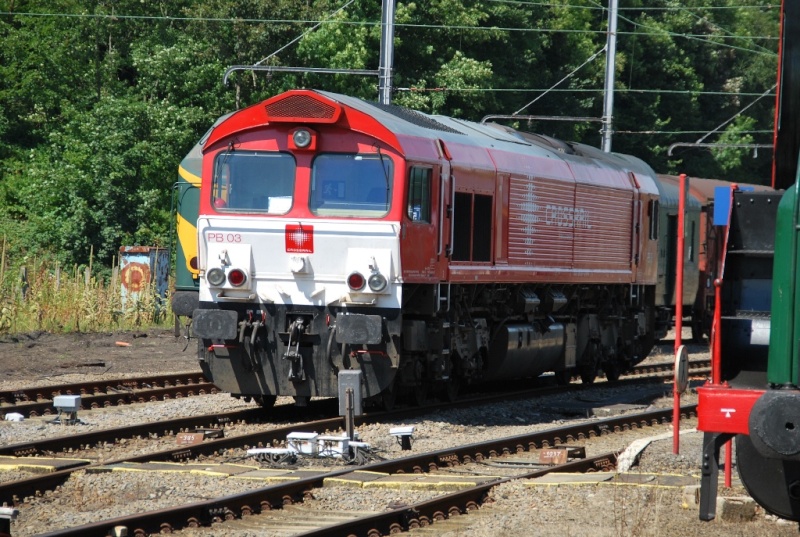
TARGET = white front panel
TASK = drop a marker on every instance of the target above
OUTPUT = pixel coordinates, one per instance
(300, 263)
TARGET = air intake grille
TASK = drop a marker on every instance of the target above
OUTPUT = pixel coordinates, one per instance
(412, 116)
(300, 107)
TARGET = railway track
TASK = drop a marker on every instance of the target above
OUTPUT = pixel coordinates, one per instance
(277, 496)
(15, 492)
(76, 442)
(38, 401)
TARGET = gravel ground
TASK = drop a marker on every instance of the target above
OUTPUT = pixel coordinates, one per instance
(517, 509)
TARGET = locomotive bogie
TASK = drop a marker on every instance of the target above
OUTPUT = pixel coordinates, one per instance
(299, 351)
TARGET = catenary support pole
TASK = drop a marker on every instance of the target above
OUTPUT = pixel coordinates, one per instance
(387, 53)
(611, 53)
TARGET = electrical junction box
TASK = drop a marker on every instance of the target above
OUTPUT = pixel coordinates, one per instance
(305, 443)
(333, 446)
(67, 403)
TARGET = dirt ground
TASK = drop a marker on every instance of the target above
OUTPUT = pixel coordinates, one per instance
(58, 358)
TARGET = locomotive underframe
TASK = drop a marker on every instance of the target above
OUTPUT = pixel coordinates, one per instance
(446, 336)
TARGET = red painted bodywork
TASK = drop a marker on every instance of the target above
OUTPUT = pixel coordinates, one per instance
(722, 409)
(555, 218)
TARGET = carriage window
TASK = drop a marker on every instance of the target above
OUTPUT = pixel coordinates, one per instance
(253, 181)
(652, 212)
(419, 194)
(351, 185)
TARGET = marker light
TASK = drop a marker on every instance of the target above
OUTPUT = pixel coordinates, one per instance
(215, 276)
(237, 277)
(356, 281)
(301, 138)
(377, 282)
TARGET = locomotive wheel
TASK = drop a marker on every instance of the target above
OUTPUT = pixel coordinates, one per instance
(451, 389)
(563, 377)
(388, 398)
(697, 328)
(266, 401)
(588, 374)
(587, 366)
(612, 372)
(773, 483)
(419, 394)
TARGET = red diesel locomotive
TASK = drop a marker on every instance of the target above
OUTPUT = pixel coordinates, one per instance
(409, 253)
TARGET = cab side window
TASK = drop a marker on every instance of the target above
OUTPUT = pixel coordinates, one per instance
(652, 212)
(419, 194)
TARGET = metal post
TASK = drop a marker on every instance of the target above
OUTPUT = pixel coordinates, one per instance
(716, 354)
(611, 53)
(349, 417)
(676, 394)
(679, 269)
(387, 52)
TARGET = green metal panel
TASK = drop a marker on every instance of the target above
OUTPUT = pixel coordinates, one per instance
(783, 367)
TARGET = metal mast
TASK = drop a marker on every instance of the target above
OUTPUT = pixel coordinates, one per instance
(611, 53)
(387, 52)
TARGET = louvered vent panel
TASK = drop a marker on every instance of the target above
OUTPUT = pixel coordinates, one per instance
(300, 106)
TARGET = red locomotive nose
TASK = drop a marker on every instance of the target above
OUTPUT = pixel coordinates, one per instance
(237, 277)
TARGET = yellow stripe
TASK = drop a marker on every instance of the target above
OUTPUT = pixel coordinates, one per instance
(189, 177)
(187, 235)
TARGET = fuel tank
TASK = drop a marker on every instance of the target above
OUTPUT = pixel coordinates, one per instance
(525, 350)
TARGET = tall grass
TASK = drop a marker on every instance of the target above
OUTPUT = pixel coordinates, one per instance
(41, 295)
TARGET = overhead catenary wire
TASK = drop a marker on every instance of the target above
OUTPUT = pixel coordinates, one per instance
(568, 75)
(175, 18)
(581, 90)
(301, 36)
(660, 8)
(737, 114)
(717, 26)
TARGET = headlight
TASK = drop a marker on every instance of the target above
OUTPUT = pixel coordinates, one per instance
(377, 282)
(301, 138)
(215, 276)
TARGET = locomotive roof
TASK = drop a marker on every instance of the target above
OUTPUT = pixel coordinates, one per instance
(404, 121)
(670, 194)
(705, 189)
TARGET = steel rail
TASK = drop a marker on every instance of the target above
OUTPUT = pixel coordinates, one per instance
(279, 413)
(425, 513)
(36, 401)
(275, 496)
(38, 393)
(14, 492)
(46, 408)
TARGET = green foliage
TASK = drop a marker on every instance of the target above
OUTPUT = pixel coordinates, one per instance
(730, 158)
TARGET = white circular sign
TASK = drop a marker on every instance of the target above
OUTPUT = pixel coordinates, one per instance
(681, 369)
